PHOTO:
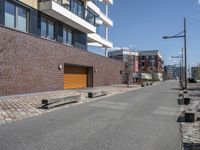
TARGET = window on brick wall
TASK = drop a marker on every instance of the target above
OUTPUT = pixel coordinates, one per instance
(21, 19)
(47, 28)
(50, 27)
(143, 57)
(43, 27)
(142, 64)
(67, 36)
(9, 14)
(60, 33)
(16, 16)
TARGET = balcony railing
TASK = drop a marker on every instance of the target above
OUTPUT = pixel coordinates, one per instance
(75, 7)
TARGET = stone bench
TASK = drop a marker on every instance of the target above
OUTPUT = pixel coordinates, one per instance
(180, 101)
(53, 102)
(190, 113)
(186, 99)
(94, 94)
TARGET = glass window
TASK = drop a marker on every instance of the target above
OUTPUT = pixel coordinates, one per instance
(75, 7)
(47, 28)
(22, 19)
(50, 29)
(43, 27)
(15, 17)
(59, 33)
(69, 41)
(9, 15)
(64, 35)
(67, 36)
(142, 64)
(143, 57)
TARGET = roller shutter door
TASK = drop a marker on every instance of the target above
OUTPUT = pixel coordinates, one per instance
(75, 77)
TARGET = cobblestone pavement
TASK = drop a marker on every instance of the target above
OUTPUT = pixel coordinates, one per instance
(191, 131)
(18, 107)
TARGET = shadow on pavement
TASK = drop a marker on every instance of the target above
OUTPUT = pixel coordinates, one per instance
(181, 118)
(194, 89)
(191, 146)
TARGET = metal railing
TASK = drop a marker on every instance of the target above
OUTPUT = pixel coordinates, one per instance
(77, 8)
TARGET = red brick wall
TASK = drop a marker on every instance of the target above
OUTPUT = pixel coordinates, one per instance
(159, 64)
(30, 64)
(157, 68)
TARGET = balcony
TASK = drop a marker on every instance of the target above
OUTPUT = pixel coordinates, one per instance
(96, 40)
(70, 12)
(102, 16)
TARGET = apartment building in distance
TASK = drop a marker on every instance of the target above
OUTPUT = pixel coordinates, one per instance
(43, 45)
(170, 72)
(146, 64)
(195, 72)
(151, 65)
(127, 56)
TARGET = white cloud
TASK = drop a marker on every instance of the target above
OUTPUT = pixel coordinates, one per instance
(130, 45)
(199, 1)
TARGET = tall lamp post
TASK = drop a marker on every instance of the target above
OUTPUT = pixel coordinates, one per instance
(182, 35)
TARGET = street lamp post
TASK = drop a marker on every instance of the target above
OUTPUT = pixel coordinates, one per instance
(182, 35)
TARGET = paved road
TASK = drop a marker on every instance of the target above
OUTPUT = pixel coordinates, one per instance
(141, 120)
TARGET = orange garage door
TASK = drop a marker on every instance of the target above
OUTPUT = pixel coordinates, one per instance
(75, 77)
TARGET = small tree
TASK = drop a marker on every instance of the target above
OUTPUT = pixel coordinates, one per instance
(129, 70)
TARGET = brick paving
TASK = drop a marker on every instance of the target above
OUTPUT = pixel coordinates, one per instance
(17, 107)
(191, 131)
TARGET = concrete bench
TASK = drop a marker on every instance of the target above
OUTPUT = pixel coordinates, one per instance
(186, 98)
(53, 102)
(190, 113)
(181, 101)
(94, 94)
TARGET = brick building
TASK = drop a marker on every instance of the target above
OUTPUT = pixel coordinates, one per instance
(151, 64)
(124, 55)
(43, 46)
(146, 64)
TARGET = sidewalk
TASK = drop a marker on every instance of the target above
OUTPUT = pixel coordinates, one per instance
(191, 131)
(18, 107)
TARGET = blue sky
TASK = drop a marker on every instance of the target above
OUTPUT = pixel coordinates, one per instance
(141, 24)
